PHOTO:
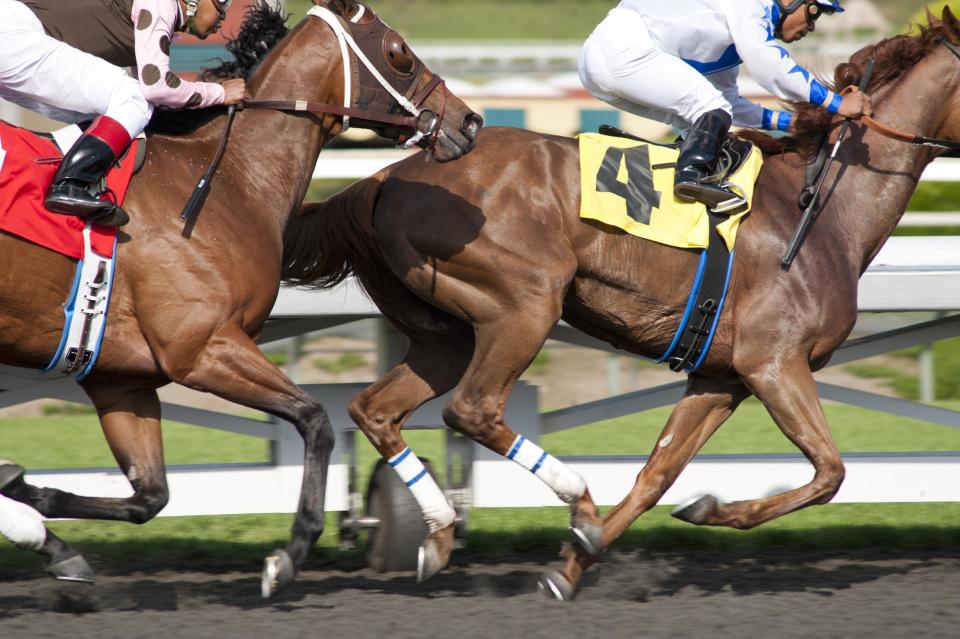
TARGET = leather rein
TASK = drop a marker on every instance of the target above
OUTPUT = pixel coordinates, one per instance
(424, 123)
(429, 128)
(919, 140)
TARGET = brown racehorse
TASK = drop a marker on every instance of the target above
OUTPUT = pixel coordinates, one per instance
(476, 261)
(187, 309)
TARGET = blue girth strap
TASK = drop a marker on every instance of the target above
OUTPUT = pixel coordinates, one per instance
(693, 338)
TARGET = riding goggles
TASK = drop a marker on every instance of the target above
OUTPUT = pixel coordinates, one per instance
(815, 10)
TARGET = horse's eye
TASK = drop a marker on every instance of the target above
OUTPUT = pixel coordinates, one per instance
(397, 53)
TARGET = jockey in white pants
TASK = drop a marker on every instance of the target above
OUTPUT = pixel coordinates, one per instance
(677, 61)
(64, 59)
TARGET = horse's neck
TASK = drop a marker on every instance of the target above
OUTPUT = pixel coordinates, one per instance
(882, 174)
(276, 151)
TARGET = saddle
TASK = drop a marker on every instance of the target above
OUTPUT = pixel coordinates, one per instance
(733, 153)
(28, 162)
(627, 183)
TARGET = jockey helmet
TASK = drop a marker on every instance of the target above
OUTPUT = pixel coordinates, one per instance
(815, 8)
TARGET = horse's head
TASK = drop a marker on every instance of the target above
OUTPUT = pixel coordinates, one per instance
(389, 89)
(917, 78)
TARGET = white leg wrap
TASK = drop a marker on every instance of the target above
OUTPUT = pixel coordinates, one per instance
(437, 512)
(568, 485)
(21, 524)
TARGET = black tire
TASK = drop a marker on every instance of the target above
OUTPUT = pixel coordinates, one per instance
(393, 545)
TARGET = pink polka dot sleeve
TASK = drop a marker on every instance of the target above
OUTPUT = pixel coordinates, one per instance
(154, 24)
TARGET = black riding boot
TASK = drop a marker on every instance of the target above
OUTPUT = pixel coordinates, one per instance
(77, 183)
(699, 158)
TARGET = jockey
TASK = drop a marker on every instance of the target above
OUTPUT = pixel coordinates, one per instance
(63, 58)
(677, 62)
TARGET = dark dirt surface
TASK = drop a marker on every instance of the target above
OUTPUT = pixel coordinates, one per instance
(764, 593)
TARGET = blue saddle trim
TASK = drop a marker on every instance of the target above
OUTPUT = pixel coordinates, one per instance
(68, 310)
(106, 308)
(691, 300)
(716, 318)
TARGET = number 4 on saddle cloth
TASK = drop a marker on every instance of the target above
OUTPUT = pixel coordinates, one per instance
(628, 184)
(28, 162)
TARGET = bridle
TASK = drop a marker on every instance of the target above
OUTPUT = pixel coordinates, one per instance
(423, 122)
(919, 140)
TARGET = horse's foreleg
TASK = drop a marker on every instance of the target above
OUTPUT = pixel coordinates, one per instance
(232, 367)
(432, 366)
(130, 418)
(705, 405)
(504, 348)
(790, 394)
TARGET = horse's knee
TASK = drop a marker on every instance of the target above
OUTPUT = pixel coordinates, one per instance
(147, 504)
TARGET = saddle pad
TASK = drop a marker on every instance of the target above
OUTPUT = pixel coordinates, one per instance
(629, 185)
(27, 165)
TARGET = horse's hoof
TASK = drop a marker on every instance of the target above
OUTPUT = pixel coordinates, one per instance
(697, 509)
(432, 557)
(555, 586)
(75, 569)
(10, 473)
(278, 571)
(589, 537)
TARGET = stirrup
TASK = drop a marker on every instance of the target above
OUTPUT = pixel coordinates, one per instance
(719, 198)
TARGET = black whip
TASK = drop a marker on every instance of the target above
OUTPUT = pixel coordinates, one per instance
(807, 220)
(200, 192)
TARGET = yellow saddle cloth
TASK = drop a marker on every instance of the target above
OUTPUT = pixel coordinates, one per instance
(629, 185)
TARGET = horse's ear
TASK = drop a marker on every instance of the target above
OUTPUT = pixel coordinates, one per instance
(950, 25)
(931, 19)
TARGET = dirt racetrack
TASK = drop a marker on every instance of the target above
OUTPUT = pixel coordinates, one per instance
(763, 593)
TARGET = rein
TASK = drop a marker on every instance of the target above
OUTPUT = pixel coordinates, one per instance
(409, 121)
(919, 140)
(425, 123)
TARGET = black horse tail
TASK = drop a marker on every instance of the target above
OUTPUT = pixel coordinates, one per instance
(327, 242)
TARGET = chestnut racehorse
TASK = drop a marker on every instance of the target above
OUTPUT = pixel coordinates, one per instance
(187, 306)
(477, 260)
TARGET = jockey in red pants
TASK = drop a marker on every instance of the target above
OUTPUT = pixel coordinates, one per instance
(64, 59)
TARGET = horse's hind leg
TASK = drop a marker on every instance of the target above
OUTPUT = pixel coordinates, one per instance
(232, 367)
(130, 418)
(704, 407)
(505, 346)
(789, 392)
(23, 527)
(432, 366)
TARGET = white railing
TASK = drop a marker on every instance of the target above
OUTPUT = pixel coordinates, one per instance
(910, 274)
(360, 163)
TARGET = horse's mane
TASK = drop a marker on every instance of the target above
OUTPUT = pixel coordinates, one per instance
(894, 56)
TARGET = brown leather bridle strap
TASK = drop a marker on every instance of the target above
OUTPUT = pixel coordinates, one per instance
(424, 93)
(894, 134)
(320, 108)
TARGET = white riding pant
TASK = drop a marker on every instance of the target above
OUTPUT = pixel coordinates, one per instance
(623, 65)
(50, 77)
(21, 524)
